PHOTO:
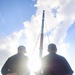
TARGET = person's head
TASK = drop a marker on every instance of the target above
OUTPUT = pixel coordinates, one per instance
(21, 49)
(52, 48)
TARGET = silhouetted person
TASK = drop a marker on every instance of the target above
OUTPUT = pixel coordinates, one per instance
(16, 64)
(54, 64)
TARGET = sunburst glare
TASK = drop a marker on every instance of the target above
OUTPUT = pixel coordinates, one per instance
(34, 64)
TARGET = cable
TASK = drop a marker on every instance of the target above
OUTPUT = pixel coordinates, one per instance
(35, 44)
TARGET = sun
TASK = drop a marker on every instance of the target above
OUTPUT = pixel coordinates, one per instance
(34, 64)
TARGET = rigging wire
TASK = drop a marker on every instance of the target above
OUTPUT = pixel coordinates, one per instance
(38, 39)
(35, 44)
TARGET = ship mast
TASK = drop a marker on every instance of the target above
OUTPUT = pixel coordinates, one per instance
(42, 33)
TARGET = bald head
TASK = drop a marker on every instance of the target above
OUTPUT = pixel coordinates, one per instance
(21, 49)
(52, 47)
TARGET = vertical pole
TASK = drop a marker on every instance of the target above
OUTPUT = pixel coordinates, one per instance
(41, 38)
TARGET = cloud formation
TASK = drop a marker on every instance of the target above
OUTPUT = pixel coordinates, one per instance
(55, 27)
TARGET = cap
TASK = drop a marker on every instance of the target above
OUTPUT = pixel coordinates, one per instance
(22, 48)
(52, 46)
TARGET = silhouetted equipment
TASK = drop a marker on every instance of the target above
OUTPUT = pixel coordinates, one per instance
(41, 37)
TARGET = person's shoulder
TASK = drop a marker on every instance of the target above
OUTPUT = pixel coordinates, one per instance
(13, 56)
(23, 56)
(61, 57)
(45, 57)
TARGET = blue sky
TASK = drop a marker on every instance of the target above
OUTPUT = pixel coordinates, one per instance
(13, 13)
(20, 23)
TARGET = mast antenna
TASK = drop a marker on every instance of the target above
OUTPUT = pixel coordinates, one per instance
(42, 33)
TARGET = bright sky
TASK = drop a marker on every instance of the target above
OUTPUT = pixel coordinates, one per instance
(20, 23)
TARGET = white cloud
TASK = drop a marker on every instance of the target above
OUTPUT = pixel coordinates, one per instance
(57, 27)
